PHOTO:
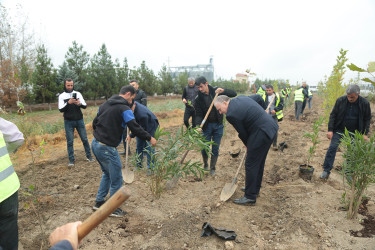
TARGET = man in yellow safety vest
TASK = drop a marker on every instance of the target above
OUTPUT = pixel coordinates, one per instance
(276, 107)
(10, 139)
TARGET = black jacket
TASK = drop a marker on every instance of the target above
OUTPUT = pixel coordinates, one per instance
(201, 108)
(141, 97)
(248, 117)
(337, 116)
(259, 100)
(111, 119)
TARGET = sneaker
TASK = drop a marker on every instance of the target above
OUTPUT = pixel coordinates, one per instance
(149, 172)
(324, 175)
(71, 164)
(118, 213)
(212, 172)
(91, 159)
(98, 205)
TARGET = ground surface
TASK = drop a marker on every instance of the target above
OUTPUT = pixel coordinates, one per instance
(289, 214)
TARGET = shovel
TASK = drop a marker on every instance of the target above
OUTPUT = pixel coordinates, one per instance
(172, 182)
(103, 212)
(127, 174)
(230, 188)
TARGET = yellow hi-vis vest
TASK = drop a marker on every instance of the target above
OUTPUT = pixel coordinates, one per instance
(261, 91)
(9, 183)
(310, 94)
(298, 95)
(279, 114)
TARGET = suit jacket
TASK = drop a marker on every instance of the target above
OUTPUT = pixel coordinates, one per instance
(248, 117)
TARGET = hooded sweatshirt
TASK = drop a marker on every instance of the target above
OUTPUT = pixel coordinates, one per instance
(112, 117)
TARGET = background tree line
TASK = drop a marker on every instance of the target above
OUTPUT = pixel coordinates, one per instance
(28, 74)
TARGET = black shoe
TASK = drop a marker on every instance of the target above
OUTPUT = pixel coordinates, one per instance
(98, 205)
(244, 201)
(118, 213)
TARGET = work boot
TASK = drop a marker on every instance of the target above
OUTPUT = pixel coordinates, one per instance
(205, 161)
(213, 164)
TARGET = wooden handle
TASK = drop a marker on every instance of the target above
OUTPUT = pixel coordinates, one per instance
(127, 148)
(269, 105)
(238, 169)
(209, 110)
(103, 212)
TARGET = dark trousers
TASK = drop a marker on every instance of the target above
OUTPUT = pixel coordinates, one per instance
(8, 223)
(189, 112)
(258, 146)
(298, 109)
(274, 143)
(303, 105)
(331, 152)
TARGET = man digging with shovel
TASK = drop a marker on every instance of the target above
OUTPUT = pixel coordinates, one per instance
(257, 130)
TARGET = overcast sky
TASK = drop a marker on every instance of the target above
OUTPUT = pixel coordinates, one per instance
(296, 40)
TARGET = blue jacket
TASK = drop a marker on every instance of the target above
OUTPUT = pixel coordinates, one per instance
(145, 118)
(248, 117)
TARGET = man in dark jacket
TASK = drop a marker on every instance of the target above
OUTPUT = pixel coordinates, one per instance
(256, 129)
(352, 112)
(213, 127)
(108, 125)
(188, 98)
(140, 97)
(70, 103)
(149, 122)
(306, 96)
(259, 100)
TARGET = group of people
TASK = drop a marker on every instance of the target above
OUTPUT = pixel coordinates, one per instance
(255, 118)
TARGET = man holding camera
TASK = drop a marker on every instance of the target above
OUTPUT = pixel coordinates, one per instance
(70, 103)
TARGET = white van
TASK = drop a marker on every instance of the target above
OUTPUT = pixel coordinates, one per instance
(313, 88)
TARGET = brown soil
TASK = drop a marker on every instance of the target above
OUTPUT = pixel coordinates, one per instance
(289, 214)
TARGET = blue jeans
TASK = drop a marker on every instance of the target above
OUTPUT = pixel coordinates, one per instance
(110, 163)
(142, 148)
(331, 152)
(310, 97)
(8, 222)
(214, 132)
(69, 132)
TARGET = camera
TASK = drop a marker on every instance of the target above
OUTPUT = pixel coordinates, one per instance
(75, 96)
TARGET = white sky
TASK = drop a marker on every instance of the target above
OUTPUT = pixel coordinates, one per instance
(296, 40)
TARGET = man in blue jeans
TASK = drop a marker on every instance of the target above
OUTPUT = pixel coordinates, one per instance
(352, 112)
(108, 125)
(213, 127)
(149, 122)
(70, 103)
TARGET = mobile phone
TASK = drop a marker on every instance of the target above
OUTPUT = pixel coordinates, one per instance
(75, 96)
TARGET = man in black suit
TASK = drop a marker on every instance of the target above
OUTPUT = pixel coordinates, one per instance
(257, 130)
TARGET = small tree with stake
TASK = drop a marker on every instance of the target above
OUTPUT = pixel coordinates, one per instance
(168, 159)
(358, 169)
(314, 139)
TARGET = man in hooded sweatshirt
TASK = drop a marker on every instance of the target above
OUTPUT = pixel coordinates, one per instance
(108, 125)
(70, 103)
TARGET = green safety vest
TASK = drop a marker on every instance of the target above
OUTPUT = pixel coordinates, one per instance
(279, 114)
(9, 183)
(310, 94)
(283, 93)
(298, 95)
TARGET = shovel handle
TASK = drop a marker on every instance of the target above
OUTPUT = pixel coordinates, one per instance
(269, 105)
(127, 148)
(209, 110)
(238, 169)
(103, 212)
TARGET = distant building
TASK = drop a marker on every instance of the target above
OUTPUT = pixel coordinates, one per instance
(242, 78)
(206, 70)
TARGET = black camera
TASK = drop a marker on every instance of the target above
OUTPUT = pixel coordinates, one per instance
(75, 96)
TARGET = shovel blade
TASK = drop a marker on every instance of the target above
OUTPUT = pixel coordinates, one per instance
(228, 191)
(127, 175)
